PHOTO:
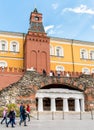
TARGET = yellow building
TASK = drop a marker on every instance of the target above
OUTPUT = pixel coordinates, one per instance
(71, 55)
(11, 49)
(65, 54)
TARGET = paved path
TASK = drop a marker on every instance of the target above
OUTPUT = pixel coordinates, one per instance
(71, 122)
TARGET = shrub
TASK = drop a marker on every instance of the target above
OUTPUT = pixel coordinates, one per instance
(1, 111)
(9, 106)
(16, 108)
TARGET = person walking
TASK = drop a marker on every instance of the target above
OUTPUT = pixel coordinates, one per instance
(21, 110)
(24, 115)
(28, 111)
(4, 115)
(44, 72)
(11, 116)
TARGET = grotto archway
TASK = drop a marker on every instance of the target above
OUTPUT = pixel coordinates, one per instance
(61, 98)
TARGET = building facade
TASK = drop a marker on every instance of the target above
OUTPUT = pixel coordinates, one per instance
(21, 52)
(54, 53)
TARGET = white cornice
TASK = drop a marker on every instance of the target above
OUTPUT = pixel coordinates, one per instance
(70, 63)
(12, 34)
(11, 58)
(71, 41)
(83, 45)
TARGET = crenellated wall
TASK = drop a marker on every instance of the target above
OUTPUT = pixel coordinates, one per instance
(9, 76)
(25, 89)
(11, 70)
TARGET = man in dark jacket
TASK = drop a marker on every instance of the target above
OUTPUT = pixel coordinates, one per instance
(11, 116)
(21, 110)
(24, 115)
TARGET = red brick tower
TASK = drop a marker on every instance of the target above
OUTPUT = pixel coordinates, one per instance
(37, 48)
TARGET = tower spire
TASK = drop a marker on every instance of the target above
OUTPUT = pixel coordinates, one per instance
(36, 24)
(37, 45)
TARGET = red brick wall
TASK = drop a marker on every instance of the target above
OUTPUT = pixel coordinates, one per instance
(37, 52)
(9, 76)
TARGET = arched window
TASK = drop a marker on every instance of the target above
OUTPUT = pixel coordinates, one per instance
(3, 45)
(3, 64)
(14, 46)
(86, 70)
(91, 54)
(92, 70)
(59, 68)
(83, 54)
(59, 51)
(51, 50)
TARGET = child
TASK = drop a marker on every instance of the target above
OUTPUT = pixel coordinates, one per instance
(4, 116)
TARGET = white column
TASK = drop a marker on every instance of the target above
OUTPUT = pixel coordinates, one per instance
(65, 105)
(53, 105)
(40, 104)
(82, 105)
(77, 105)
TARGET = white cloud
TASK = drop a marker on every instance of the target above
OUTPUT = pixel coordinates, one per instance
(54, 30)
(55, 6)
(47, 28)
(82, 9)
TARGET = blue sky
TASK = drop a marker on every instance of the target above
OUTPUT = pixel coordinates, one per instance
(71, 19)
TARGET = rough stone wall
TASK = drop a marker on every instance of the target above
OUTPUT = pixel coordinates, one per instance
(25, 89)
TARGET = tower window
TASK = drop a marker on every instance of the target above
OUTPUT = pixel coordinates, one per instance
(36, 18)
